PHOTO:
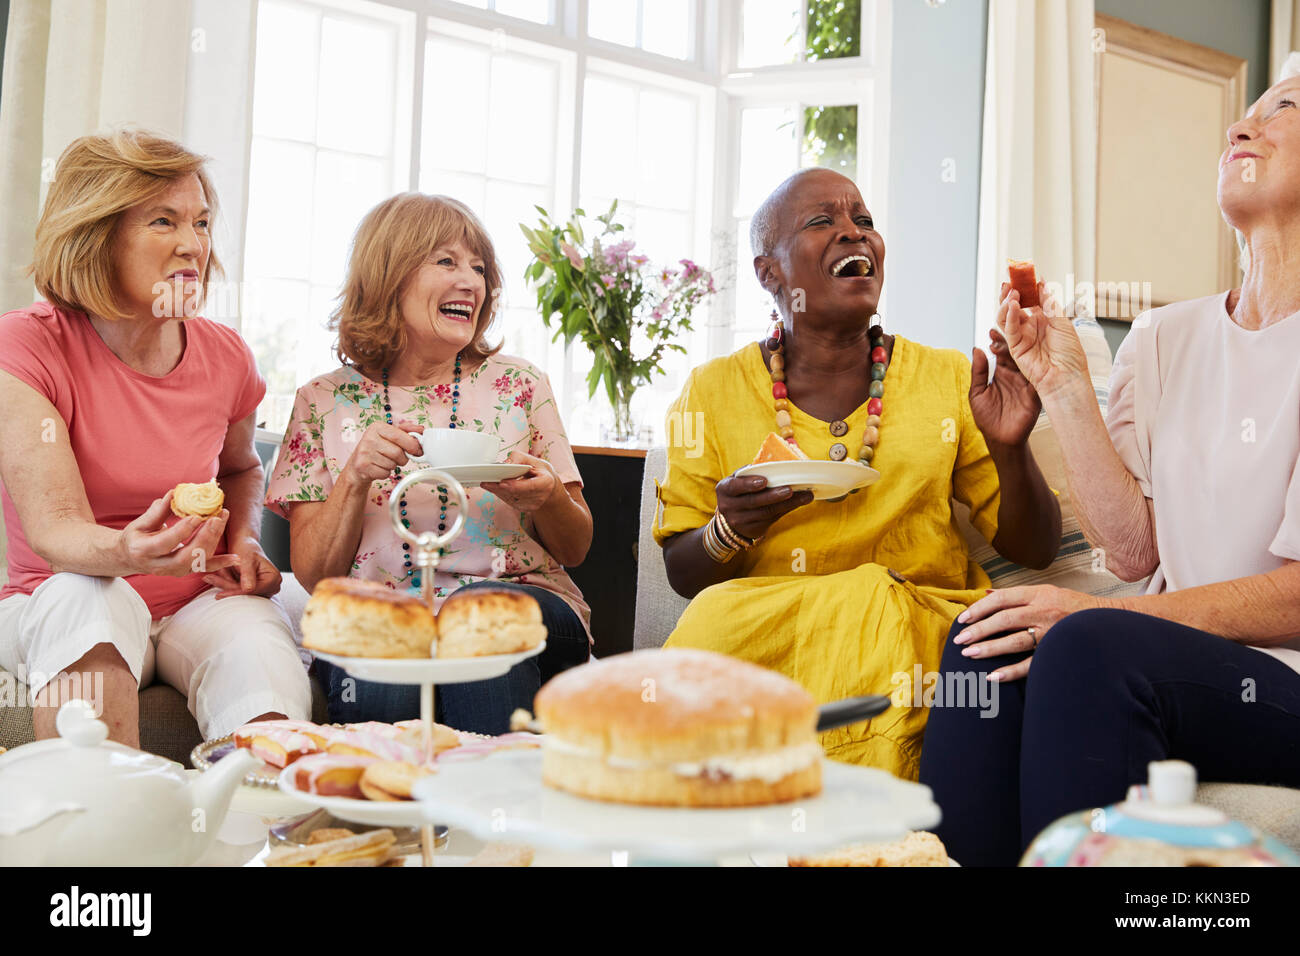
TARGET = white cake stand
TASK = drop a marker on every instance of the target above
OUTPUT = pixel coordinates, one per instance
(504, 796)
(428, 548)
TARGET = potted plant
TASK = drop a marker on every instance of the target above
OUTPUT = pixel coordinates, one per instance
(626, 311)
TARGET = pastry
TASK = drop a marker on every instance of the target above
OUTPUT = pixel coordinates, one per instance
(279, 747)
(202, 501)
(679, 727)
(358, 618)
(776, 448)
(1024, 280)
(917, 848)
(489, 620)
(244, 735)
(503, 854)
(367, 849)
(357, 743)
(390, 779)
(331, 775)
(411, 733)
(325, 834)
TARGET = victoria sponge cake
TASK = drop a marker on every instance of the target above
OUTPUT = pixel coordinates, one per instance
(679, 727)
(365, 619)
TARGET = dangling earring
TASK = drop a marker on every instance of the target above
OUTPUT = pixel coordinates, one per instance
(876, 327)
(776, 336)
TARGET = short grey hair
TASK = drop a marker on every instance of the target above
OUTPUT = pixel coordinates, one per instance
(764, 226)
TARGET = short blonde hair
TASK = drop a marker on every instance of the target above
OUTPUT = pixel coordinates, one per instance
(96, 180)
(391, 243)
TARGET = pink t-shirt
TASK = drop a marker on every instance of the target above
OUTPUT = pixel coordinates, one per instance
(134, 436)
(1206, 417)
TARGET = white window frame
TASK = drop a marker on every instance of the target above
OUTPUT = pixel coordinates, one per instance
(711, 74)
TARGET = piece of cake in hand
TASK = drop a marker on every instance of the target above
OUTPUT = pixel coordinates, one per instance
(197, 500)
(917, 848)
(474, 622)
(679, 727)
(357, 618)
(776, 448)
(1024, 279)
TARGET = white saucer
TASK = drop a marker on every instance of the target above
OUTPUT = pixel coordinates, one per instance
(825, 479)
(469, 475)
(429, 670)
(504, 799)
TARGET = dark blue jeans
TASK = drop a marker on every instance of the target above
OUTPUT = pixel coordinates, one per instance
(483, 707)
(1109, 691)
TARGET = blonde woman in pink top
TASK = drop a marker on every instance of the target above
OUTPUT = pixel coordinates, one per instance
(114, 392)
(1192, 481)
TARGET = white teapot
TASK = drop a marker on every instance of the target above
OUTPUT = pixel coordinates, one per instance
(82, 800)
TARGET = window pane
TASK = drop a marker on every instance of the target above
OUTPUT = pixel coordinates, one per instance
(455, 123)
(608, 129)
(831, 138)
(666, 28)
(279, 232)
(287, 51)
(834, 29)
(273, 313)
(538, 11)
(356, 105)
(481, 4)
(467, 187)
(509, 204)
(521, 128)
(612, 20)
(753, 304)
(665, 146)
(769, 32)
(767, 154)
(663, 235)
(347, 187)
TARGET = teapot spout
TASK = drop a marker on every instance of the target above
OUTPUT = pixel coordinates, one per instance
(211, 793)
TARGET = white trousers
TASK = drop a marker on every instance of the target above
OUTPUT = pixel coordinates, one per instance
(234, 659)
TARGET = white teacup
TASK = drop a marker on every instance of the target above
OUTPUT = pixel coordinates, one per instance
(457, 446)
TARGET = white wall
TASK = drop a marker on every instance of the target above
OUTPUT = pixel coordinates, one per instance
(937, 93)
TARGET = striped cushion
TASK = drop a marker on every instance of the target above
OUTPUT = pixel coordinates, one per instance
(1077, 566)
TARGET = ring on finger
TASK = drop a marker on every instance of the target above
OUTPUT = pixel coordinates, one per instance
(1033, 635)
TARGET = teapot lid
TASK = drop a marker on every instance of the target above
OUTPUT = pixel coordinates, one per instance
(1166, 810)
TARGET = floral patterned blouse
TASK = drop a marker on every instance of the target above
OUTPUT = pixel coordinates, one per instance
(504, 396)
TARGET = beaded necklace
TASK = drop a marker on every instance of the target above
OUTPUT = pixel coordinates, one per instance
(838, 429)
(397, 473)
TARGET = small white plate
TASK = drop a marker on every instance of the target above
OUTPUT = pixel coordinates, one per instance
(469, 475)
(825, 479)
(429, 670)
(504, 799)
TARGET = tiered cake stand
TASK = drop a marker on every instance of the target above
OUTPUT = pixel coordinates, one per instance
(427, 672)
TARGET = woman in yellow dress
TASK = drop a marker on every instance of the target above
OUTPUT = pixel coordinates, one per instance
(846, 597)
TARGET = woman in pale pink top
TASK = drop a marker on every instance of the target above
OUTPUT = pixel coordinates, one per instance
(413, 326)
(1192, 481)
(114, 392)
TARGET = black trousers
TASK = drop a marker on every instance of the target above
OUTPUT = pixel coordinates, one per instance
(1108, 692)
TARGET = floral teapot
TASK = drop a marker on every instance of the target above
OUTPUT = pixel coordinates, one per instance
(82, 800)
(1159, 824)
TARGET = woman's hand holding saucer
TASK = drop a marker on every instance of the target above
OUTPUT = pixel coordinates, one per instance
(1013, 620)
(751, 507)
(529, 492)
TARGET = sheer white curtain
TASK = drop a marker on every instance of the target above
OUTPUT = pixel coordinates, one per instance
(1039, 166)
(74, 67)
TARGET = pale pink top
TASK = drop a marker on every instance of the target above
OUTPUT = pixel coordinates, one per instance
(1206, 416)
(504, 396)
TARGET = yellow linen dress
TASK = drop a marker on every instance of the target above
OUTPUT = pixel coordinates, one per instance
(848, 597)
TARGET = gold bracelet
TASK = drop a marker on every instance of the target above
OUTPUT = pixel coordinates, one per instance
(714, 547)
(731, 534)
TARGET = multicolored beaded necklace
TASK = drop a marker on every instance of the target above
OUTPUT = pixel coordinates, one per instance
(442, 489)
(876, 390)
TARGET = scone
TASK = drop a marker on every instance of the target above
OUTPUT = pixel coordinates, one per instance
(489, 620)
(364, 619)
(917, 848)
(679, 727)
(200, 501)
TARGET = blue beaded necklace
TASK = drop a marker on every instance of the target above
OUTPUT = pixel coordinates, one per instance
(442, 489)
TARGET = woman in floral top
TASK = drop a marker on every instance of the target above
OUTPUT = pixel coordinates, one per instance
(421, 292)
